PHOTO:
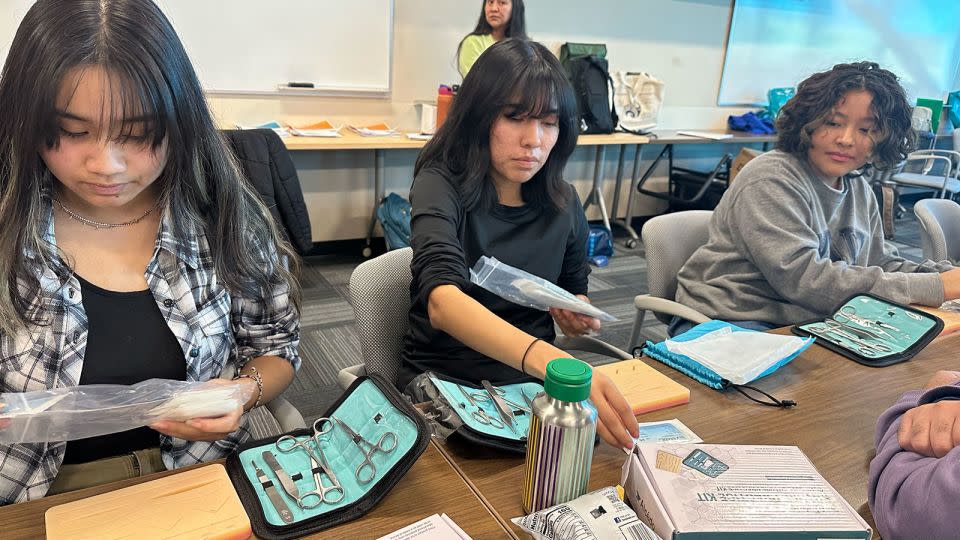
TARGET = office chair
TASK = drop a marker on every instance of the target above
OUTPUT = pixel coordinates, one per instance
(273, 418)
(380, 294)
(939, 228)
(668, 240)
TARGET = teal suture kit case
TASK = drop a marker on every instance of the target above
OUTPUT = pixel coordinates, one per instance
(480, 422)
(368, 440)
(874, 331)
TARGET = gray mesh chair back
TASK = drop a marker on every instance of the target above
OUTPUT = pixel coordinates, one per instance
(939, 228)
(669, 240)
(380, 294)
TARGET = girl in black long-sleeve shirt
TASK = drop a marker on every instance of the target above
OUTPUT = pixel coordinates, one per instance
(490, 183)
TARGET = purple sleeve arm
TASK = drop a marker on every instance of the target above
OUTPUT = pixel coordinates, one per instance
(913, 496)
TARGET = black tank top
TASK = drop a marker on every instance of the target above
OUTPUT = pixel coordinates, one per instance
(128, 341)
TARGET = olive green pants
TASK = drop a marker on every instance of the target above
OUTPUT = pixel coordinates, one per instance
(102, 471)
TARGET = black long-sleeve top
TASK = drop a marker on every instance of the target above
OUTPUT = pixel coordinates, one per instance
(447, 240)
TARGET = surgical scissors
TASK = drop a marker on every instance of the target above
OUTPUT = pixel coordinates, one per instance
(318, 462)
(850, 334)
(850, 313)
(386, 444)
(481, 415)
(483, 397)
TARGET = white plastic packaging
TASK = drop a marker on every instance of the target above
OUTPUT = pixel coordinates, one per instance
(65, 414)
(600, 514)
(529, 290)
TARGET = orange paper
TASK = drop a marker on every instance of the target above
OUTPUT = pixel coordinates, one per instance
(645, 388)
(318, 125)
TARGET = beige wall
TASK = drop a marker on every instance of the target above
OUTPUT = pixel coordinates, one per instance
(679, 41)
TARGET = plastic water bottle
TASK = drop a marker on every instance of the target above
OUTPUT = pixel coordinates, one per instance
(563, 426)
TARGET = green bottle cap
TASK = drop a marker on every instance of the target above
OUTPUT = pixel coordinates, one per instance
(568, 379)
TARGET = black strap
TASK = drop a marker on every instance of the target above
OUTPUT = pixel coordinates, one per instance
(774, 402)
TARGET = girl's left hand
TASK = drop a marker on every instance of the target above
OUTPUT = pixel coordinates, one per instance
(574, 324)
(201, 429)
(205, 429)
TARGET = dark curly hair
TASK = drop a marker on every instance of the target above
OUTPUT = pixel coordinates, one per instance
(818, 95)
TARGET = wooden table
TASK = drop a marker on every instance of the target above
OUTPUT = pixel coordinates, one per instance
(432, 485)
(838, 405)
(378, 145)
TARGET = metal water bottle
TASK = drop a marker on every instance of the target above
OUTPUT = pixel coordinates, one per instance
(563, 425)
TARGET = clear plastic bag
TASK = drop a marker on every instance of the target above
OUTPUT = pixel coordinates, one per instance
(529, 290)
(65, 414)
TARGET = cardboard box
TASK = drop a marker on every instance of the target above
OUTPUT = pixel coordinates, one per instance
(744, 157)
(714, 491)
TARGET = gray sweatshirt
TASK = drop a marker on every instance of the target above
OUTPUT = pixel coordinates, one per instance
(784, 247)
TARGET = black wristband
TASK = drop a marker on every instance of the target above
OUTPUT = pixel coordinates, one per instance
(523, 360)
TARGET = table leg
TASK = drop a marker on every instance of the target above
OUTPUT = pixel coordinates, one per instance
(377, 197)
(596, 195)
(628, 217)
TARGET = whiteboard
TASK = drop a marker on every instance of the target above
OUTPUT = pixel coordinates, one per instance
(258, 46)
(777, 43)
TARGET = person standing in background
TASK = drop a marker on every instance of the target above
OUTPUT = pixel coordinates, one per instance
(498, 19)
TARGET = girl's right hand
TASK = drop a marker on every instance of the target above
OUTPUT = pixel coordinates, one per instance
(616, 423)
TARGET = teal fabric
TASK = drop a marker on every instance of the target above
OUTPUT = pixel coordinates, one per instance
(908, 329)
(512, 392)
(357, 411)
(697, 371)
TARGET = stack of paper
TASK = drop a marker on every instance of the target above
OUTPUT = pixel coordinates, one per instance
(715, 135)
(374, 130)
(435, 527)
(317, 129)
(278, 128)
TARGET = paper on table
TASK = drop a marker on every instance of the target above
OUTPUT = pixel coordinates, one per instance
(274, 125)
(317, 129)
(673, 431)
(374, 130)
(706, 134)
(435, 527)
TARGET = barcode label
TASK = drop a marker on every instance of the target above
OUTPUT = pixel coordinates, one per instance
(638, 531)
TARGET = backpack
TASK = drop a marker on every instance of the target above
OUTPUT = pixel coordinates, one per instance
(586, 67)
(599, 242)
(393, 213)
(638, 97)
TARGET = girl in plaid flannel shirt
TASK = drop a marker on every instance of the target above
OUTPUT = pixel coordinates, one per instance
(115, 184)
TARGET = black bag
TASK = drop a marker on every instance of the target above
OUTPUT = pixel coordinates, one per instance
(586, 68)
(874, 331)
(374, 409)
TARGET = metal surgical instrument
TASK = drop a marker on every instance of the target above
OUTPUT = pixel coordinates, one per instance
(318, 465)
(386, 444)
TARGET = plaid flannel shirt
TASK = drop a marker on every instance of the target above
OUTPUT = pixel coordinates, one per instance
(213, 326)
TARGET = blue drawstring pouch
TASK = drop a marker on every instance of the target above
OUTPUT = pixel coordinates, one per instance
(722, 355)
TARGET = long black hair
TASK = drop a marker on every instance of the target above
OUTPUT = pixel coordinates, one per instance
(817, 96)
(527, 78)
(516, 26)
(151, 77)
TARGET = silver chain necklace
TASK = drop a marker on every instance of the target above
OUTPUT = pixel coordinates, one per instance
(100, 225)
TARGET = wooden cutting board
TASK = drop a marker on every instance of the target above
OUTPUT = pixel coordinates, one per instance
(199, 503)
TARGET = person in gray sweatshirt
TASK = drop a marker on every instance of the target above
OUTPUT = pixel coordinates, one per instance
(799, 231)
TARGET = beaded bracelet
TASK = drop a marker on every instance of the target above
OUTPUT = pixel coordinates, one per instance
(255, 378)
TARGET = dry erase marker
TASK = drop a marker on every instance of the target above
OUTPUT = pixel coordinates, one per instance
(294, 84)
